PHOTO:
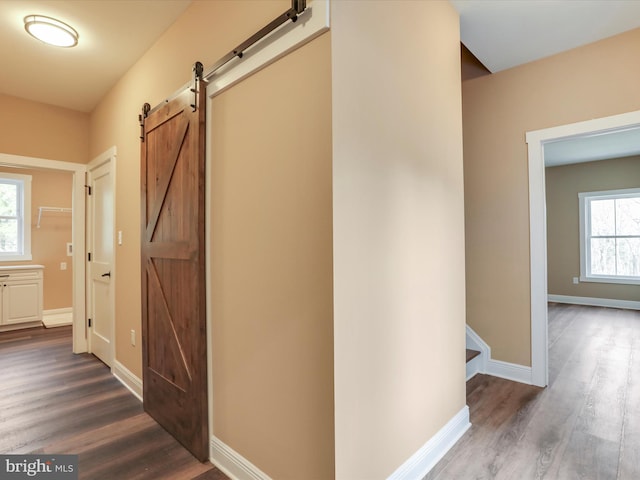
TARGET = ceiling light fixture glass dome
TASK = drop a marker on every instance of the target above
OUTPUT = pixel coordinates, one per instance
(50, 31)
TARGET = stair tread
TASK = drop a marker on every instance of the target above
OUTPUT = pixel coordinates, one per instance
(471, 354)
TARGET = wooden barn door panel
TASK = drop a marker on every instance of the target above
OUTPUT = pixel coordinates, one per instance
(173, 271)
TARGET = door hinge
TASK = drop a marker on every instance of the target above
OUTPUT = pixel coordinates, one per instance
(89, 322)
(88, 187)
(89, 257)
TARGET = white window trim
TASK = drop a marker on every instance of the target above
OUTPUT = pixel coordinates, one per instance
(26, 219)
(585, 274)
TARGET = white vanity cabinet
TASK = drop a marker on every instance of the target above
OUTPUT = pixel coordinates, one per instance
(21, 294)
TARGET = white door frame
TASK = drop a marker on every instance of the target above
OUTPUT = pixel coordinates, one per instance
(538, 225)
(106, 158)
(78, 234)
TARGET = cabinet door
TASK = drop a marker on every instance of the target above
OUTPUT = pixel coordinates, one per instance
(22, 301)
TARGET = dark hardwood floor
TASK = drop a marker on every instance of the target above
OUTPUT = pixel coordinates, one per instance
(584, 425)
(52, 401)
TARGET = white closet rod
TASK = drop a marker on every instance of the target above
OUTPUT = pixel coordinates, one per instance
(50, 209)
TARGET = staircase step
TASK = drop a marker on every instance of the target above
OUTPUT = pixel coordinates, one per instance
(471, 354)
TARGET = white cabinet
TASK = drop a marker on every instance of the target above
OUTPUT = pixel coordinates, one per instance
(21, 294)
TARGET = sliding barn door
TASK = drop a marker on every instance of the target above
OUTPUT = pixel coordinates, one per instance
(173, 270)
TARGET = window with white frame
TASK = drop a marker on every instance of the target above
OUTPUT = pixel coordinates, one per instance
(610, 236)
(15, 217)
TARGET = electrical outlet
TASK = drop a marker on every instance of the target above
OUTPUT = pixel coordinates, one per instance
(576, 280)
(119, 237)
(63, 265)
(133, 338)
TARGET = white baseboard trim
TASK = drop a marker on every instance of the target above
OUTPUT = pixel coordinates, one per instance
(509, 371)
(57, 317)
(127, 378)
(20, 326)
(421, 462)
(475, 342)
(497, 368)
(474, 366)
(232, 464)
(595, 302)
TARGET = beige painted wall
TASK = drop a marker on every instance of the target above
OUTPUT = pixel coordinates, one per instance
(398, 231)
(596, 80)
(563, 184)
(272, 293)
(271, 259)
(49, 242)
(205, 32)
(33, 129)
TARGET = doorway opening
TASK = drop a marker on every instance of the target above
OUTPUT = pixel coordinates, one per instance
(78, 233)
(536, 141)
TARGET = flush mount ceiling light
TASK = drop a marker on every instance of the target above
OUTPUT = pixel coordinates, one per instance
(50, 31)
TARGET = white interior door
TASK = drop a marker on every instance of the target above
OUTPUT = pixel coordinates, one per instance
(100, 248)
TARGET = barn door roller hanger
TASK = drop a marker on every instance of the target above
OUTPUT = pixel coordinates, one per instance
(297, 7)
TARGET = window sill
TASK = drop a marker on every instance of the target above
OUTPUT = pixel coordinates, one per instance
(605, 279)
(15, 258)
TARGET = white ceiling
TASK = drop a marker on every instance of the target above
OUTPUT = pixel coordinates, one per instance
(506, 33)
(588, 148)
(113, 35)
